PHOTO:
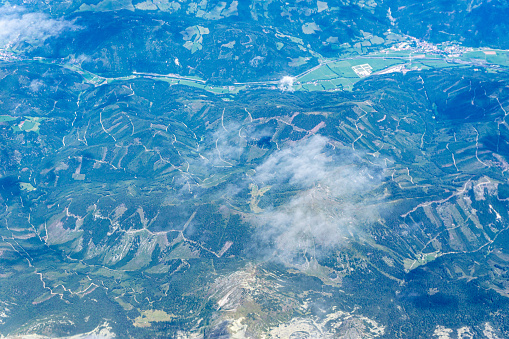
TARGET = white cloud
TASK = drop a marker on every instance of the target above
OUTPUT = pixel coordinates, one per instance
(35, 85)
(286, 84)
(302, 164)
(17, 26)
(330, 204)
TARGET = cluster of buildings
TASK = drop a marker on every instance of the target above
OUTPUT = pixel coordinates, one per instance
(450, 49)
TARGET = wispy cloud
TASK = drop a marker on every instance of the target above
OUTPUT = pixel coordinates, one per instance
(330, 204)
(319, 196)
(229, 142)
(18, 26)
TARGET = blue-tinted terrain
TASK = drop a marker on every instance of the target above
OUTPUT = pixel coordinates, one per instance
(254, 169)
